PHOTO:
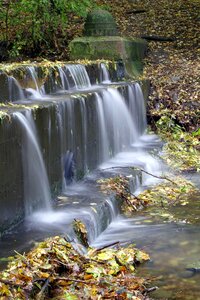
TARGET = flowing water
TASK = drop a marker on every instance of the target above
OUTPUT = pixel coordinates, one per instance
(105, 77)
(171, 238)
(36, 184)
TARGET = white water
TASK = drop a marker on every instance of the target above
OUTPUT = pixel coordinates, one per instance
(36, 184)
(118, 125)
(33, 75)
(79, 76)
(105, 77)
(15, 90)
(103, 132)
(137, 107)
(63, 77)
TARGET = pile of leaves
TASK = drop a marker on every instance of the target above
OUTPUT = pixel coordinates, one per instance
(173, 190)
(120, 185)
(56, 270)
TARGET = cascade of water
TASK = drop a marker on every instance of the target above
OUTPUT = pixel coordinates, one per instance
(103, 134)
(63, 78)
(84, 132)
(36, 185)
(34, 92)
(33, 75)
(105, 77)
(15, 90)
(137, 107)
(121, 128)
(61, 116)
(79, 76)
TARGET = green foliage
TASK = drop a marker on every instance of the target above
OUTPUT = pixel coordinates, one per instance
(182, 148)
(36, 23)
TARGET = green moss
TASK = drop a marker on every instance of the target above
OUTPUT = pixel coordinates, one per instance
(131, 51)
(100, 23)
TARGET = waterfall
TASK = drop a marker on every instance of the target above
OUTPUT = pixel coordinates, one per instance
(81, 127)
(34, 92)
(120, 126)
(85, 131)
(63, 78)
(105, 77)
(36, 185)
(15, 90)
(79, 77)
(93, 130)
(137, 107)
(103, 133)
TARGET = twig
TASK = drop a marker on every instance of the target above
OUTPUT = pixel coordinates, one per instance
(74, 280)
(107, 246)
(142, 170)
(159, 177)
(118, 261)
(150, 290)
(21, 256)
(45, 285)
(130, 203)
(60, 262)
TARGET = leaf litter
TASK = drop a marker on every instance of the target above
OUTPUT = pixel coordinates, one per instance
(56, 270)
(171, 191)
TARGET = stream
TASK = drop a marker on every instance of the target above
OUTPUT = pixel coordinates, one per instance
(170, 234)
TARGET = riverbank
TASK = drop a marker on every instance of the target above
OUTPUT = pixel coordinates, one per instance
(172, 64)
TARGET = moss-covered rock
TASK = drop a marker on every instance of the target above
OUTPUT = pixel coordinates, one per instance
(100, 23)
(111, 48)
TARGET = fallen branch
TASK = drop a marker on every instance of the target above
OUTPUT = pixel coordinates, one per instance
(74, 280)
(45, 285)
(158, 177)
(142, 170)
(107, 246)
(156, 38)
(150, 290)
(136, 11)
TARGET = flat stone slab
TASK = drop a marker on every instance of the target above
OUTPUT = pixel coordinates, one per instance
(108, 47)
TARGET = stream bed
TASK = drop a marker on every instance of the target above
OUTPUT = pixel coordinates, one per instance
(170, 235)
(173, 247)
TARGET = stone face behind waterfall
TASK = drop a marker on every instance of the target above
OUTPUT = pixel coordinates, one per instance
(4, 95)
(11, 175)
(20, 81)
